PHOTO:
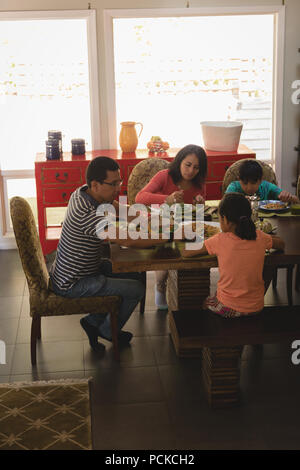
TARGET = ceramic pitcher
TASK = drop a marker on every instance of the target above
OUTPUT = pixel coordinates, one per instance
(128, 137)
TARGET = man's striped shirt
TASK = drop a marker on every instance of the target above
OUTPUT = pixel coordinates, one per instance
(79, 251)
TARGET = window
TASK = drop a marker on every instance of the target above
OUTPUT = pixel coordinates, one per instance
(172, 72)
(48, 80)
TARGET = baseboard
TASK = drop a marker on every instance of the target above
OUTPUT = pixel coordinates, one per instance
(8, 243)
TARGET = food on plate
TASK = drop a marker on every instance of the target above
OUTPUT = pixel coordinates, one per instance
(274, 205)
(209, 230)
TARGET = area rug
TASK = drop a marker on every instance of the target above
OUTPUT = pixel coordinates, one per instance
(52, 415)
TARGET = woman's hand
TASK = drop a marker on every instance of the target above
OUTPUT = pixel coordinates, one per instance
(177, 196)
(285, 196)
(199, 199)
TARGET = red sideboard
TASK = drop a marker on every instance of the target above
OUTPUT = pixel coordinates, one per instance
(57, 179)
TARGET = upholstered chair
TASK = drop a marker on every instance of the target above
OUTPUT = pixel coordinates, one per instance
(43, 301)
(232, 174)
(139, 177)
(142, 174)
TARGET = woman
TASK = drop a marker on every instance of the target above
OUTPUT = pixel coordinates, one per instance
(183, 181)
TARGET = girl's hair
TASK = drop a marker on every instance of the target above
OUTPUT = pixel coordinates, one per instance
(174, 169)
(237, 209)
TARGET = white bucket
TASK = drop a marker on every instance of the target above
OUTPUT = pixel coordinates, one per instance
(221, 135)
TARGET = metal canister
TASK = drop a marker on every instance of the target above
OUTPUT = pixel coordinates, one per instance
(78, 146)
(52, 149)
(56, 135)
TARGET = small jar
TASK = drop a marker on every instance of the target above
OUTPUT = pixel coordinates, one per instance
(56, 135)
(52, 149)
(78, 146)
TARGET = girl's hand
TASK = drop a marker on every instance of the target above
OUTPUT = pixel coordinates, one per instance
(177, 196)
(199, 199)
(285, 196)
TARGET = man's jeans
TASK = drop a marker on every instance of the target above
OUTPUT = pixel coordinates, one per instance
(126, 285)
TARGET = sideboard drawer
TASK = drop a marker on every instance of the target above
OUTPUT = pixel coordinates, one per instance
(58, 196)
(62, 176)
(218, 169)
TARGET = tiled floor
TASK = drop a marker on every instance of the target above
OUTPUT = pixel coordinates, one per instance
(153, 399)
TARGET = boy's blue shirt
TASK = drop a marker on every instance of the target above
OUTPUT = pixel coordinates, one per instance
(266, 190)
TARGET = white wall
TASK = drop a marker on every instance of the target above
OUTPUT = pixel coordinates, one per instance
(291, 112)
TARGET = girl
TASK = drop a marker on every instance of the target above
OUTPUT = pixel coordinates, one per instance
(184, 182)
(240, 250)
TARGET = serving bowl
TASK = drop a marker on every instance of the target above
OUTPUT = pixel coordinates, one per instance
(221, 135)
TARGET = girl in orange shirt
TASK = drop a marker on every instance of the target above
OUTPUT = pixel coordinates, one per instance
(240, 250)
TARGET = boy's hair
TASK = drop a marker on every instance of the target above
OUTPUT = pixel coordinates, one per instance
(237, 209)
(97, 169)
(174, 169)
(250, 170)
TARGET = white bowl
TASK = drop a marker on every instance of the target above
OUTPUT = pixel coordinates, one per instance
(221, 135)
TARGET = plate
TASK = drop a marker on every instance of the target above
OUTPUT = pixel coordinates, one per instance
(273, 206)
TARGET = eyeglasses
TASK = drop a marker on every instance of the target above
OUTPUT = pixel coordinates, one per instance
(115, 184)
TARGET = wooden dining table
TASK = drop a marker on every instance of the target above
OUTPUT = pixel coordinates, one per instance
(189, 278)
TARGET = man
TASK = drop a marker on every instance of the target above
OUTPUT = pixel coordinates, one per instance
(79, 269)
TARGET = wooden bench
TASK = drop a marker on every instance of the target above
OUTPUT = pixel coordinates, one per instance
(221, 342)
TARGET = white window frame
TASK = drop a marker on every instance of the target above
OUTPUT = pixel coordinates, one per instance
(90, 17)
(277, 102)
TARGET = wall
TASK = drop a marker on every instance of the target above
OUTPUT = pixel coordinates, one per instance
(291, 112)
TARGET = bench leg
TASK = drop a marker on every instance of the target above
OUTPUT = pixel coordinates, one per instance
(221, 375)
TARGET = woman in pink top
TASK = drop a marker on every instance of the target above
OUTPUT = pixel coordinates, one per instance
(240, 249)
(183, 181)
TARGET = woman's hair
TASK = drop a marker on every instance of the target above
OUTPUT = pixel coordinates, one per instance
(250, 170)
(97, 169)
(174, 169)
(237, 209)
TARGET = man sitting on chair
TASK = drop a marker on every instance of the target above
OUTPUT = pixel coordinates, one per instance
(79, 269)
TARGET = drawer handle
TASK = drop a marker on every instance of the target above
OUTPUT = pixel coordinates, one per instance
(64, 195)
(226, 167)
(60, 179)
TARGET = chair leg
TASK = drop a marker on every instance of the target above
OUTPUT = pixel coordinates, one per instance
(274, 280)
(297, 280)
(289, 283)
(114, 334)
(143, 300)
(39, 335)
(35, 328)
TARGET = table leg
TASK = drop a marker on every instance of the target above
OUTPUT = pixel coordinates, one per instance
(186, 290)
(221, 375)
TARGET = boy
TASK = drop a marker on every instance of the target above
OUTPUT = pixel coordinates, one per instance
(251, 182)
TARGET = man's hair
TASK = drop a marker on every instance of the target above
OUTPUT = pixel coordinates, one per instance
(250, 170)
(97, 169)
